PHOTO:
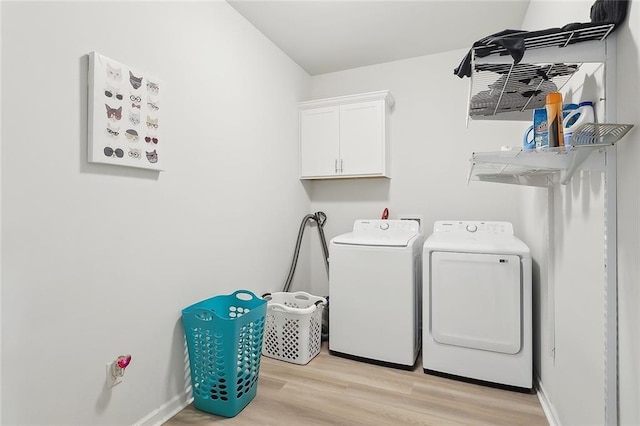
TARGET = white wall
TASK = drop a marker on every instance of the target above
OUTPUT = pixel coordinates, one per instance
(571, 290)
(430, 151)
(97, 260)
(628, 111)
(566, 236)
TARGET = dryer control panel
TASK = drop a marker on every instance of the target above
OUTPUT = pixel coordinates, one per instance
(473, 227)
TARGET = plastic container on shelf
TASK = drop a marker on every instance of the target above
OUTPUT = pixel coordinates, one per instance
(293, 326)
(224, 342)
(536, 135)
(568, 109)
(585, 113)
(554, 119)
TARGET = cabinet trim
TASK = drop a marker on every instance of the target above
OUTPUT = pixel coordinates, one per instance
(342, 100)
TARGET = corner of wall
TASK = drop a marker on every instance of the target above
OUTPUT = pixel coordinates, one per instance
(545, 402)
(1, 219)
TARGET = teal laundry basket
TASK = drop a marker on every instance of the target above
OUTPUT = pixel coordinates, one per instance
(224, 341)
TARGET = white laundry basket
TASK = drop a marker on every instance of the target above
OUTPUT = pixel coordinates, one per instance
(293, 326)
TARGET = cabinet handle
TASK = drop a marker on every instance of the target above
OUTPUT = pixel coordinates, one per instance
(341, 169)
(335, 165)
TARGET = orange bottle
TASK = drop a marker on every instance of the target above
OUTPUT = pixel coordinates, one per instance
(554, 119)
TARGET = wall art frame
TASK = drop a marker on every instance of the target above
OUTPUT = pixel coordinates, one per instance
(124, 120)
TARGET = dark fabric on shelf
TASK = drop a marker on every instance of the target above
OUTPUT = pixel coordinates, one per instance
(513, 41)
(609, 11)
(464, 69)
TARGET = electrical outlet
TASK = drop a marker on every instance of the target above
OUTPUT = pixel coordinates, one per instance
(113, 378)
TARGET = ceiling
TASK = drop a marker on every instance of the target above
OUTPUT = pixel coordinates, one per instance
(324, 36)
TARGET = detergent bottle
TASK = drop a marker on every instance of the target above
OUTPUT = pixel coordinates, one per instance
(536, 135)
(528, 140)
(567, 109)
(585, 113)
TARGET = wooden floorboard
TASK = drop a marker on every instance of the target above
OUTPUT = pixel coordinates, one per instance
(336, 391)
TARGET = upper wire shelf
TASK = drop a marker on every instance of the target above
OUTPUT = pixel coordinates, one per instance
(554, 39)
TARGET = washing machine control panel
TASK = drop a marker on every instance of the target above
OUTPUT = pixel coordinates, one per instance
(383, 225)
(473, 227)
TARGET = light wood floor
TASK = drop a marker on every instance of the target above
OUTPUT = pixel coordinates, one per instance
(335, 391)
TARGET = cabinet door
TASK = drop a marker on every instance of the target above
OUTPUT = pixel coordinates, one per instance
(319, 139)
(362, 138)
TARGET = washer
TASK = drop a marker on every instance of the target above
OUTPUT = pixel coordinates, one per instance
(374, 292)
(477, 303)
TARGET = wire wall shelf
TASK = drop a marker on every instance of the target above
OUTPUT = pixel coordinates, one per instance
(542, 166)
(507, 87)
(540, 39)
(599, 134)
(498, 88)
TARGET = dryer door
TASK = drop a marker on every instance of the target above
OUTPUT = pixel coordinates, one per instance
(475, 301)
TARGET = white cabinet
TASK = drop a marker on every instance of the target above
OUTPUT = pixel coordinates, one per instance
(319, 141)
(345, 136)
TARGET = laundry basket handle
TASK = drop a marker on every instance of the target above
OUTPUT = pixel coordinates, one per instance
(279, 307)
(303, 295)
(244, 295)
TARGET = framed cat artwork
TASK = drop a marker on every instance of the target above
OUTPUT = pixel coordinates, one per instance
(124, 115)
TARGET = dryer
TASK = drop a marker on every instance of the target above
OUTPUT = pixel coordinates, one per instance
(477, 303)
(374, 292)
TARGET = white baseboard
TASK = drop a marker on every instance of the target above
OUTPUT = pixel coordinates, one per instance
(547, 406)
(167, 410)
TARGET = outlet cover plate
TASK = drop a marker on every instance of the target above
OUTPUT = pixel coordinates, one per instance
(111, 379)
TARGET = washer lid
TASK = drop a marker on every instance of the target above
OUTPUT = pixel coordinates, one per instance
(381, 233)
(387, 240)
